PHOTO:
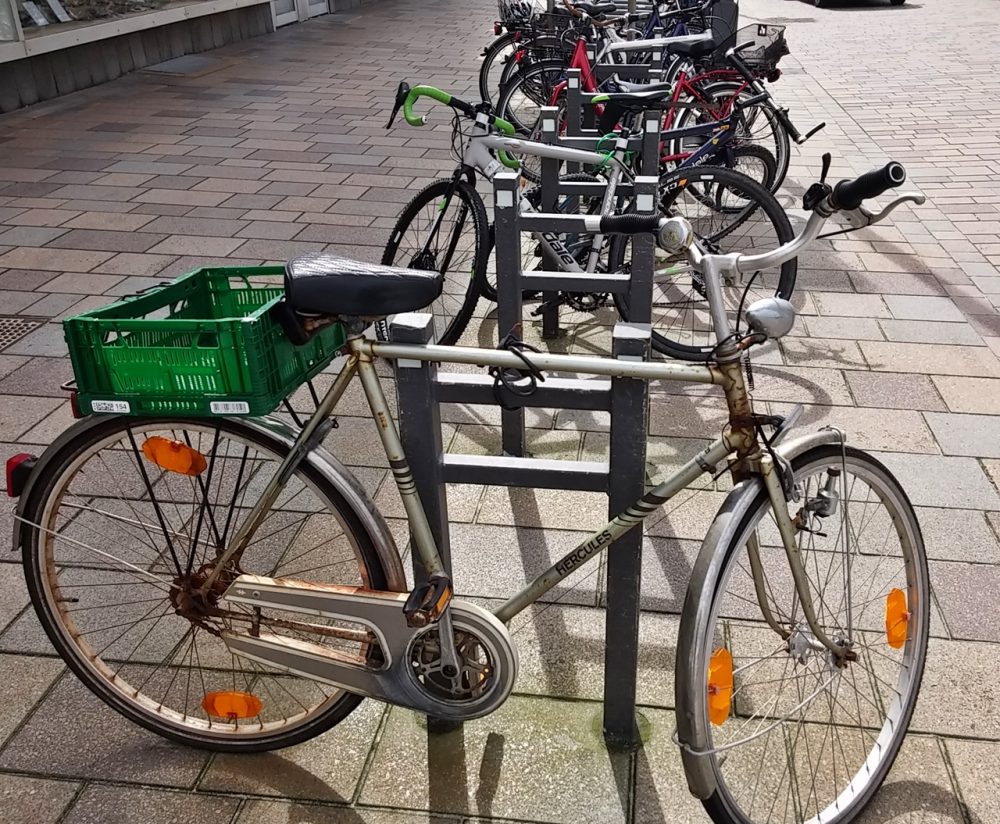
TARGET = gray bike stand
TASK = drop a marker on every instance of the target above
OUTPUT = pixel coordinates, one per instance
(422, 388)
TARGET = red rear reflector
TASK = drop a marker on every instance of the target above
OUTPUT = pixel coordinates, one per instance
(18, 469)
(497, 28)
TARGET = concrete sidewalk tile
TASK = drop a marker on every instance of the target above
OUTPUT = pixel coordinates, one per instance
(19, 413)
(976, 435)
(34, 800)
(522, 762)
(923, 331)
(191, 245)
(326, 768)
(887, 390)
(963, 591)
(974, 764)
(74, 734)
(821, 326)
(831, 354)
(88, 283)
(967, 394)
(32, 677)
(913, 307)
(135, 805)
(958, 689)
(958, 535)
(899, 430)
(52, 260)
(941, 481)
(850, 305)
(30, 235)
(293, 812)
(918, 788)
(928, 359)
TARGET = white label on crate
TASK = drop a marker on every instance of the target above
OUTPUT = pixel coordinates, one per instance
(229, 407)
(120, 407)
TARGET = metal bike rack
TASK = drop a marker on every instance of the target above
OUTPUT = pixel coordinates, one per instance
(422, 388)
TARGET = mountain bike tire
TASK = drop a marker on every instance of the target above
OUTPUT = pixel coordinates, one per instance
(468, 238)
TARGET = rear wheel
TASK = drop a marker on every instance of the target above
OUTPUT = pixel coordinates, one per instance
(498, 53)
(124, 545)
(793, 735)
(729, 212)
(445, 229)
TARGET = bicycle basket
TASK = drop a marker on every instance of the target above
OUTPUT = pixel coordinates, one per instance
(205, 344)
(769, 46)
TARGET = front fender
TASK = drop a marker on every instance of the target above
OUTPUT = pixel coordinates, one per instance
(271, 428)
(692, 732)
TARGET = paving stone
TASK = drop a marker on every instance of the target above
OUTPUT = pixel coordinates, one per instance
(34, 800)
(976, 435)
(850, 305)
(932, 480)
(918, 788)
(930, 359)
(521, 762)
(30, 236)
(284, 812)
(961, 590)
(920, 307)
(74, 734)
(959, 693)
(82, 283)
(18, 414)
(326, 768)
(32, 677)
(925, 331)
(134, 805)
(820, 326)
(974, 395)
(958, 535)
(902, 430)
(52, 260)
(973, 762)
(886, 390)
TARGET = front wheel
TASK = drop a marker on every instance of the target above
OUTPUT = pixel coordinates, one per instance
(123, 546)
(729, 212)
(444, 228)
(793, 735)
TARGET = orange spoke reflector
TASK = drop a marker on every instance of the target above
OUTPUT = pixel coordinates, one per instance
(897, 618)
(720, 685)
(231, 705)
(174, 456)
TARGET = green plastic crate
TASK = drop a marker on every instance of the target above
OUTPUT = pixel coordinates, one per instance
(202, 345)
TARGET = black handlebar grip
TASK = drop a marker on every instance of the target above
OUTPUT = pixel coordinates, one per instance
(631, 224)
(848, 194)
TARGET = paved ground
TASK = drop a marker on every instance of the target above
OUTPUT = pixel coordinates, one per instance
(282, 150)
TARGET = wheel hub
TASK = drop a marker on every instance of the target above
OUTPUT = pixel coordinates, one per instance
(190, 601)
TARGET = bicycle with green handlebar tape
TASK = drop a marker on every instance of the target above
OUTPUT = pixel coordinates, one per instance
(445, 227)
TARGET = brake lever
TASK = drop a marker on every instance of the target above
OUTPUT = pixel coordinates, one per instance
(402, 90)
(860, 218)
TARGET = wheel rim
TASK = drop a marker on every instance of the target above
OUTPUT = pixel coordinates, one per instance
(851, 721)
(450, 247)
(113, 605)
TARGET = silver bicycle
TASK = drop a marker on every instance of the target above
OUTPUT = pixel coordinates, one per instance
(228, 584)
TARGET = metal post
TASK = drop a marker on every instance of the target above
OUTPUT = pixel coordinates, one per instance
(509, 308)
(549, 198)
(420, 430)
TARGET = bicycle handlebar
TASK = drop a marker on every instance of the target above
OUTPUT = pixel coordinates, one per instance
(848, 194)
(407, 97)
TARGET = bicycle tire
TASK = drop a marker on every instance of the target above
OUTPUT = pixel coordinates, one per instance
(529, 244)
(457, 304)
(688, 335)
(99, 458)
(746, 792)
(770, 133)
(495, 61)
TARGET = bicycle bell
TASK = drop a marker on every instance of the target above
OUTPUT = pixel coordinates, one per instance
(771, 317)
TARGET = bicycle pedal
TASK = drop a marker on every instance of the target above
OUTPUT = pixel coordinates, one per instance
(428, 601)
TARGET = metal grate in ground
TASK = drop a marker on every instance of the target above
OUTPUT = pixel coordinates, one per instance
(13, 329)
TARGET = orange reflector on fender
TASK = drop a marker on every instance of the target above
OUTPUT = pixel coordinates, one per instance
(174, 456)
(720, 685)
(231, 705)
(897, 618)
